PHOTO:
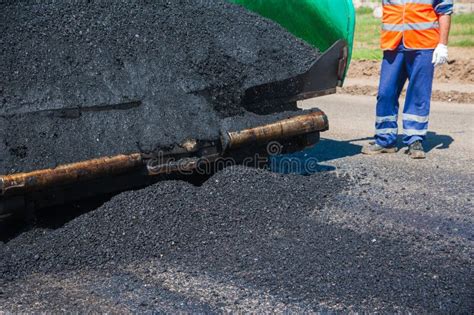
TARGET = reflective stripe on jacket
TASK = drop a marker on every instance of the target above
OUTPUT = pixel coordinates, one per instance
(413, 21)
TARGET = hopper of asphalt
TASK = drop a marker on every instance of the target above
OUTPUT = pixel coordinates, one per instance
(85, 79)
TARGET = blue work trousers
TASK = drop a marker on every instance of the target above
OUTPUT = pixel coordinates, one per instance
(398, 66)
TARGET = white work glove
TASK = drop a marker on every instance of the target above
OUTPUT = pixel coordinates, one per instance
(440, 55)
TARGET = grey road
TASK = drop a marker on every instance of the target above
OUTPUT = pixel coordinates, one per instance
(451, 127)
(435, 194)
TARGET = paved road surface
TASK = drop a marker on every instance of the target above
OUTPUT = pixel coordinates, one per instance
(451, 128)
(432, 194)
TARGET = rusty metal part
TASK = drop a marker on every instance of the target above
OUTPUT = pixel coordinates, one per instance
(22, 183)
(184, 166)
(69, 173)
(295, 126)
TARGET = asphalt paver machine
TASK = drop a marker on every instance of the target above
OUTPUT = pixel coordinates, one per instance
(328, 25)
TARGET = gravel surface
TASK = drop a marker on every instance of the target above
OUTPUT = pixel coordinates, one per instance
(113, 77)
(247, 240)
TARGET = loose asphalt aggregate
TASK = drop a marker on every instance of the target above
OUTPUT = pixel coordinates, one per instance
(246, 240)
(112, 77)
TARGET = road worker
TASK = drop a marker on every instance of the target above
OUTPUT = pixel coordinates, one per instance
(414, 40)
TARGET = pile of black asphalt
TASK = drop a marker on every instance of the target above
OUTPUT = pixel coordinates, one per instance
(247, 239)
(85, 79)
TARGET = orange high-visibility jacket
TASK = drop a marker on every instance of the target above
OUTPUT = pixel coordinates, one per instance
(413, 21)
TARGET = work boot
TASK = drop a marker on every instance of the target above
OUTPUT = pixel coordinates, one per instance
(373, 148)
(416, 151)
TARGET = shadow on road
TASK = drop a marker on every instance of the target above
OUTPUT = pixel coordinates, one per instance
(432, 141)
(309, 161)
(436, 141)
(329, 149)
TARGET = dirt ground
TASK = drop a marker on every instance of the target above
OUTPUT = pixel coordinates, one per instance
(442, 96)
(453, 82)
(458, 70)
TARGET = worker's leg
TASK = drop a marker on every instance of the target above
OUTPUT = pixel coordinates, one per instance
(417, 103)
(392, 79)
